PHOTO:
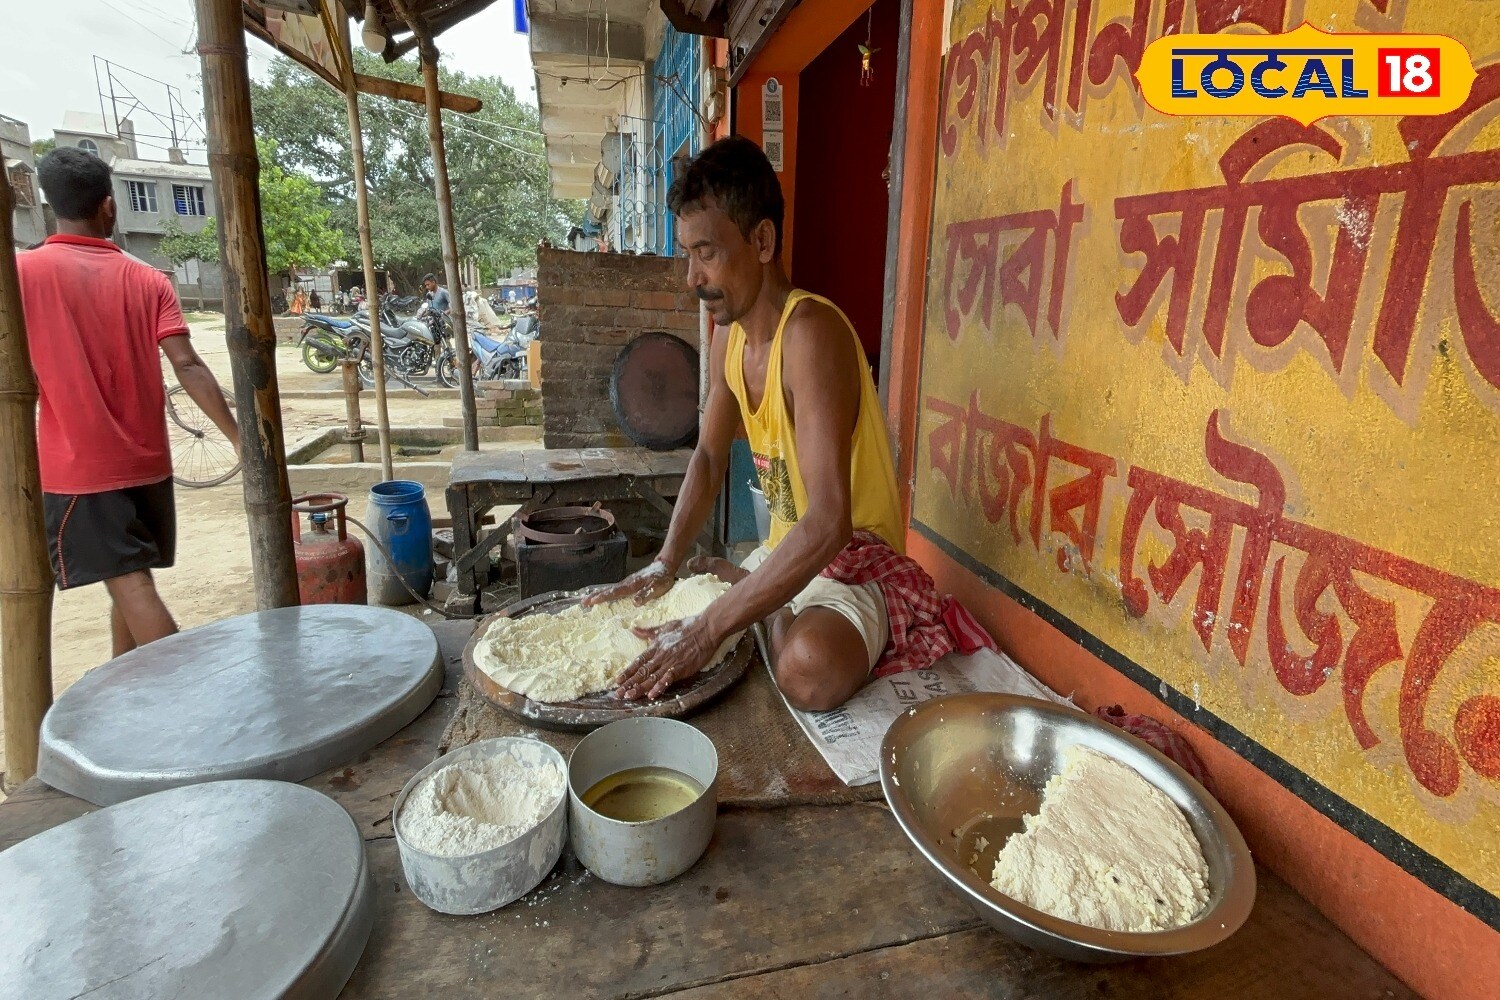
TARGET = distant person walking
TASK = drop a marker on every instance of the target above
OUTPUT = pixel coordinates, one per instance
(95, 318)
(437, 296)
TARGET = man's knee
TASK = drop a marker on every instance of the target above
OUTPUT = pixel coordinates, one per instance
(814, 672)
(131, 585)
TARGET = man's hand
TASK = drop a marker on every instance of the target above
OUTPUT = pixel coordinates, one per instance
(645, 585)
(678, 650)
(714, 566)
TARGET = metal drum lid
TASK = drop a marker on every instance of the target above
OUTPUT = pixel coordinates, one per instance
(283, 694)
(245, 889)
(654, 389)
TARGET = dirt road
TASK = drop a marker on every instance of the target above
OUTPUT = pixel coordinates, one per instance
(212, 577)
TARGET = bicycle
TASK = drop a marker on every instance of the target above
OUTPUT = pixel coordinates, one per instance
(201, 455)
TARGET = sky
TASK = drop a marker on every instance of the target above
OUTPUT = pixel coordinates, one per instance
(50, 67)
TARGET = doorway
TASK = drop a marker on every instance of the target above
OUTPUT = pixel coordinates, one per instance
(845, 121)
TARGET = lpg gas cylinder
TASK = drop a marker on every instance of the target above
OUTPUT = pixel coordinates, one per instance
(330, 564)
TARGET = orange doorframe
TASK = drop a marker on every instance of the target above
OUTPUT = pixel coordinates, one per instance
(923, 92)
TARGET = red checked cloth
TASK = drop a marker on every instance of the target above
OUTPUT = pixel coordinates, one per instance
(1160, 736)
(924, 626)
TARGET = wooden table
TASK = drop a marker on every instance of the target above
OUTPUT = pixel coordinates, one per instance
(797, 903)
(536, 477)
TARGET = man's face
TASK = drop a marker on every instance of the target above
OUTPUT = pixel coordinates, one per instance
(430, 285)
(724, 268)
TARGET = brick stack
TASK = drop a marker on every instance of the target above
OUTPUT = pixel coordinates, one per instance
(508, 403)
(592, 305)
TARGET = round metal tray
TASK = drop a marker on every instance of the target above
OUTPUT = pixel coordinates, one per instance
(960, 772)
(595, 710)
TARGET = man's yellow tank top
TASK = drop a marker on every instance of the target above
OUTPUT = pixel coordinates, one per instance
(773, 441)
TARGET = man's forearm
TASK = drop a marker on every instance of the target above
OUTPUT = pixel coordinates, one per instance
(695, 500)
(805, 552)
(204, 389)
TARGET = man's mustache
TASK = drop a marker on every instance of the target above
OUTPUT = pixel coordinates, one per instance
(709, 294)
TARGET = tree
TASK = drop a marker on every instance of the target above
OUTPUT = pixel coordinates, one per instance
(42, 147)
(179, 246)
(293, 218)
(502, 199)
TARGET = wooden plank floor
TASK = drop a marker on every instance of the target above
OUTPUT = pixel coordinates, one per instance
(776, 888)
(1286, 952)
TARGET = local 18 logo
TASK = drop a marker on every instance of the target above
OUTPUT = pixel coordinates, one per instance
(1305, 74)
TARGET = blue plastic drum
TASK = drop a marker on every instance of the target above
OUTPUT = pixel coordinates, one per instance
(398, 516)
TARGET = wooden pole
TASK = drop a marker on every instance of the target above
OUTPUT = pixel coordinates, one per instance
(366, 248)
(25, 571)
(397, 91)
(429, 55)
(355, 425)
(250, 332)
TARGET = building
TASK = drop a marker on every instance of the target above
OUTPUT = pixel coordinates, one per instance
(622, 94)
(148, 194)
(28, 220)
(151, 195)
(92, 134)
(1181, 448)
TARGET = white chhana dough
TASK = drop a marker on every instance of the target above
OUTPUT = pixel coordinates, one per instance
(552, 658)
(1107, 849)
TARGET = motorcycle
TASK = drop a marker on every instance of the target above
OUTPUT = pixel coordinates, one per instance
(413, 347)
(324, 341)
(498, 359)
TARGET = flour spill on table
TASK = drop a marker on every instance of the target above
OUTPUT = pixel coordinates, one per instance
(578, 651)
(478, 805)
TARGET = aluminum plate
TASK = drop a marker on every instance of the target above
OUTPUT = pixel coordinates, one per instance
(244, 889)
(282, 694)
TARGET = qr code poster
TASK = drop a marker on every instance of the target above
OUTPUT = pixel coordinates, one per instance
(771, 143)
(771, 105)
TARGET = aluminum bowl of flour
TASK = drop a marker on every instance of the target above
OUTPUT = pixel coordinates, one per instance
(966, 774)
(482, 826)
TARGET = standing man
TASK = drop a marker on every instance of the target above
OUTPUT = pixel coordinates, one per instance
(95, 318)
(787, 367)
(437, 296)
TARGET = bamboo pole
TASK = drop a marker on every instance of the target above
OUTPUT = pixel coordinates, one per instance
(366, 248)
(250, 333)
(429, 55)
(25, 571)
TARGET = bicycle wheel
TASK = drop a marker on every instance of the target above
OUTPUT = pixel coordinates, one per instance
(201, 454)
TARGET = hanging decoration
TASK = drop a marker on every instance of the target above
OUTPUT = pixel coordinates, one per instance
(866, 52)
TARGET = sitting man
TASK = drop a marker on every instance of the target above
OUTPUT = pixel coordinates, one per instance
(789, 369)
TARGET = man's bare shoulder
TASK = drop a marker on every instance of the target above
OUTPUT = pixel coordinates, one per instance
(818, 335)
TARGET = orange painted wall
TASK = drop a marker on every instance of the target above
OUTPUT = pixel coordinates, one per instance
(1432, 944)
(747, 110)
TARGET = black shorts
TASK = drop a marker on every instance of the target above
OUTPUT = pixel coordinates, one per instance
(99, 536)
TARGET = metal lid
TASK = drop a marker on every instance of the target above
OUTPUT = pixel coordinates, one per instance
(285, 694)
(654, 389)
(245, 889)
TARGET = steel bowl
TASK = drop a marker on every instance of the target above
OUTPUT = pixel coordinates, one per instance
(478, 883)
(960, 772)
(654, 851)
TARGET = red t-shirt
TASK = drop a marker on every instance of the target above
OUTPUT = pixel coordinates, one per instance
(94, 317)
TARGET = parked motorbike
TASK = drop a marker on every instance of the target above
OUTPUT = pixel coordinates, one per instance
(498, 359)
(413, 347)
(324, 342)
